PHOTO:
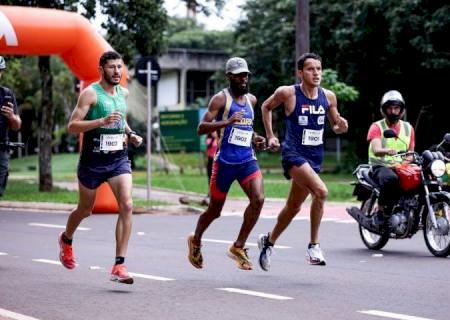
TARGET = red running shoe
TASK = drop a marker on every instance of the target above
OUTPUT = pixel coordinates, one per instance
(120, 274)
(66, 253)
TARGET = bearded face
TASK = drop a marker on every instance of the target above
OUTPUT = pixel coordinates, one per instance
(112, 71)
(393, 112)
(238, 83)
(393, 118)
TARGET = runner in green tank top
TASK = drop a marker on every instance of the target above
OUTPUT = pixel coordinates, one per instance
(100, 116)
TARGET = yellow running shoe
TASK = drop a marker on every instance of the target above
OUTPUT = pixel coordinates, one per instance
(195, 253)
(240, 256)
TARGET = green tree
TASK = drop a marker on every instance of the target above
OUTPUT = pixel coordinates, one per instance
(47, 104)
(132, 26)
(135, 27)
(186, 33)
(196, 6)
(266, 38)
(374, 45)
(380, 45)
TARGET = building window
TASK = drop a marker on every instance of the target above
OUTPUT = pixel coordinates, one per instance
(199, 85)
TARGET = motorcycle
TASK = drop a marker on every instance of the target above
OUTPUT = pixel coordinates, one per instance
(423, 203)
(11, 145)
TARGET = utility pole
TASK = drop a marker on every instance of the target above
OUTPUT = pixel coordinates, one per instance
(301, 29)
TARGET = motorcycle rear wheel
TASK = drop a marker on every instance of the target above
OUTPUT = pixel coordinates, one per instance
(371, 240)
(438, 244)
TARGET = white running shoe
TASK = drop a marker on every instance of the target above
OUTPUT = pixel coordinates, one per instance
(314, 255)
(265, 252)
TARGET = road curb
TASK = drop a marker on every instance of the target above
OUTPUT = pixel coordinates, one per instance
(58, 207)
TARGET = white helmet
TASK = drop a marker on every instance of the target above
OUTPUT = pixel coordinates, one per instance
(2, 63)
(389, 98)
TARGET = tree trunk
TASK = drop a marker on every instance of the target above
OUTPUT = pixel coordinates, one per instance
(301, 30)
(46, 127)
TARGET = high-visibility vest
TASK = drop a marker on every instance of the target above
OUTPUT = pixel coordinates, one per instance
(400, 144)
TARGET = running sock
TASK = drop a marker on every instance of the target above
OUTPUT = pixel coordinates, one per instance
(120, 260)
(66, 240)
(311, 244)
(268, 243)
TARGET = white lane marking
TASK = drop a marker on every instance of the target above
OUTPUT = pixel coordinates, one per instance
(13, 315)
(47, 261)
(250, 244)
(346, 221)
(391, 315)
(329, 219)
(137, 275)
(140, 233)
(256, 293)
(147, 276)
(301, 218)
(95, 268)
(231, 214)
(3, 254)
(56, 226)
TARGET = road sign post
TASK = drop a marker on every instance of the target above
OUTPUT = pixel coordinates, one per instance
(152, 76)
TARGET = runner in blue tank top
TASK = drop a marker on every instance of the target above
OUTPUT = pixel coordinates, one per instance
(230, 113)
(305, 106)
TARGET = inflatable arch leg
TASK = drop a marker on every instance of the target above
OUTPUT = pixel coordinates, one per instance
(37, 31)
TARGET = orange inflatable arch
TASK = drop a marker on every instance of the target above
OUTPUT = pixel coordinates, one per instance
(44, 32)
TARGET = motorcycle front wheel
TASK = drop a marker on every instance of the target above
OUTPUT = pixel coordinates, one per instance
(371, 240)
(438, 239)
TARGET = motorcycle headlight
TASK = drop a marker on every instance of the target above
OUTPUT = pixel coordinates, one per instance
(438, 168)
(447, 166)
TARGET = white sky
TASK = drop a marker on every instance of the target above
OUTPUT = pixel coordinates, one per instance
(230, 14)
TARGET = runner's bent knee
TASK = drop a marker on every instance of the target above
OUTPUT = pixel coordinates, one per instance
(257, 201)
(126, 206)
(320, 193)
(84, 210)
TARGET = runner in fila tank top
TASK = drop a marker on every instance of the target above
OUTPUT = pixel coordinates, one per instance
(303, 141)
(230, 112)
(305, 107)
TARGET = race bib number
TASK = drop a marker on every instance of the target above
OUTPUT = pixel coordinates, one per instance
(240, 137)
(111, 142)
(312, 137)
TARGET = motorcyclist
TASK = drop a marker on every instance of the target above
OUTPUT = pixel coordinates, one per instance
(9, 119)
(382, 151)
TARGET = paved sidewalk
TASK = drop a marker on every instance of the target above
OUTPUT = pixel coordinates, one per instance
(271, 208)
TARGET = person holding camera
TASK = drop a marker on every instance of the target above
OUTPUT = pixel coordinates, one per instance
(9, 119)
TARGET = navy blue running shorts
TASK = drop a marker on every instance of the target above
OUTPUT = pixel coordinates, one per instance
(93, 176)
(288, 161)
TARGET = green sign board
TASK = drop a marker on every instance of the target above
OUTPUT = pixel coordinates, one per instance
(179, 130)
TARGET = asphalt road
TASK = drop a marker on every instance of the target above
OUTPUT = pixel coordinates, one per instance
(404, 281)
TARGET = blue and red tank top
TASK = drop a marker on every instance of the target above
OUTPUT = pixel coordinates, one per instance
(235, 140)
(305, 127)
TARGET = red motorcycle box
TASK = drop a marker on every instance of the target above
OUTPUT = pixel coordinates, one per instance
(408, 175)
